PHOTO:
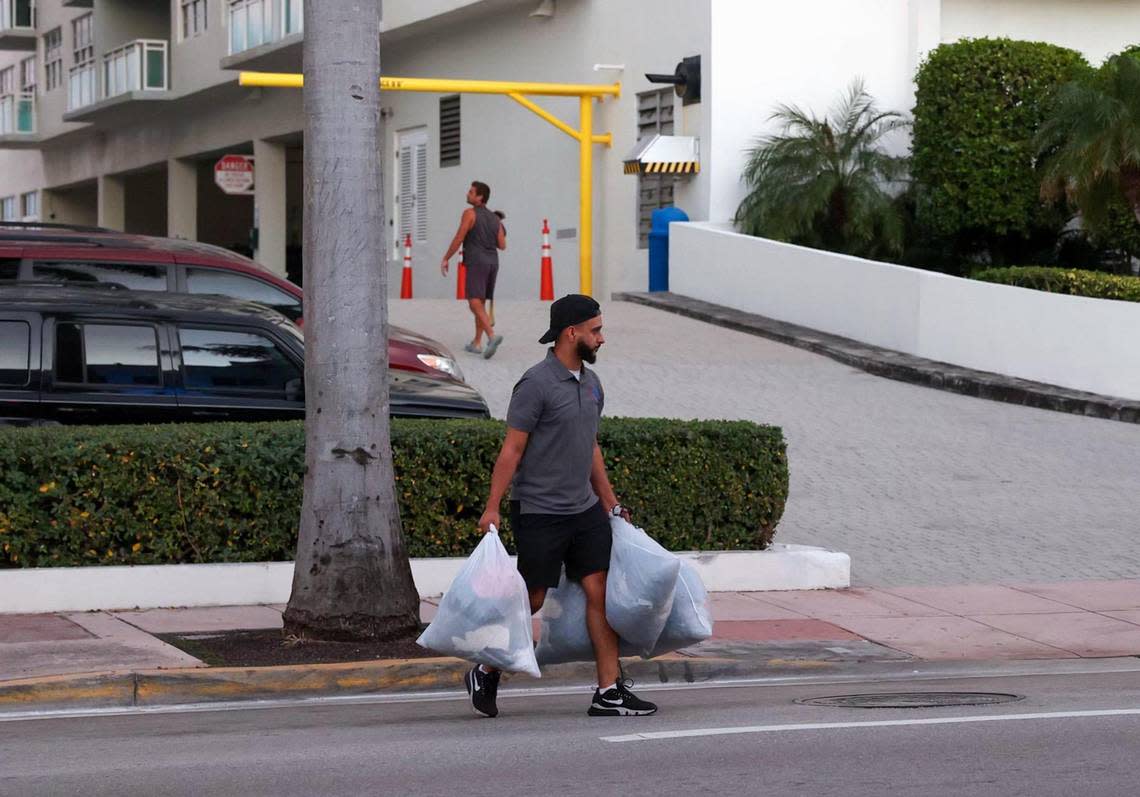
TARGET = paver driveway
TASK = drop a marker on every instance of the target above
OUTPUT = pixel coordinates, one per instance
(919, 486)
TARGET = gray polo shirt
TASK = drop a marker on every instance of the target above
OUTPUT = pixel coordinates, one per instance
(560, 413)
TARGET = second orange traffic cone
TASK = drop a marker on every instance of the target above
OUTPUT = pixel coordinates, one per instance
(546, 281)
(461, 278)
(406, 281)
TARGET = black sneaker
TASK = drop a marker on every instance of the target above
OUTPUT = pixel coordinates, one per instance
(483, 688)
(619, 702)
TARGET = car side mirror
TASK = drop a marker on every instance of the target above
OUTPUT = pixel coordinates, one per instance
(295, 390)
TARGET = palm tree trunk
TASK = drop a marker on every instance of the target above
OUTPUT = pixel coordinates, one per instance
(352, 578)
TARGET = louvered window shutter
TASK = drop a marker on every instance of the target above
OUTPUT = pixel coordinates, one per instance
(421, 224)
(406, 199)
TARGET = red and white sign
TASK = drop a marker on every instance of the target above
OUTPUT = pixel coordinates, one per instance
(234, 174)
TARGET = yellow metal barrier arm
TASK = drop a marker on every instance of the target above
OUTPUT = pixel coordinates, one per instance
(445, 85)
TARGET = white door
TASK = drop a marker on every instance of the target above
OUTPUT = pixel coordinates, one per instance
(411, 187)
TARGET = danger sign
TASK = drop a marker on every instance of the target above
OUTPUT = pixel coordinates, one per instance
(234, 174)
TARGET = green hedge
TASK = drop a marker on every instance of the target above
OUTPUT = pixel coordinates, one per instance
(978, 106)
(1075, 282)
(232, 492)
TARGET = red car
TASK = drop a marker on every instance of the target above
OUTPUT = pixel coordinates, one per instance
(63, 253)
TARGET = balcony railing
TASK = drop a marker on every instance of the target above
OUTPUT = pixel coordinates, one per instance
(18, 113)
(257, 22)
(17, 15)
(81, 86)
(140, 65)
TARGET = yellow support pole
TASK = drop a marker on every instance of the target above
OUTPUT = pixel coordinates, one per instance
(446, 85)
(586, 195)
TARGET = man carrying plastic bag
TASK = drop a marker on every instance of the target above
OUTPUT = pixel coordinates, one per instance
(485, 615)
(561, 497)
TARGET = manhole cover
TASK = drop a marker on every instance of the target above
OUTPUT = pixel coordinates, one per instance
(913, 700)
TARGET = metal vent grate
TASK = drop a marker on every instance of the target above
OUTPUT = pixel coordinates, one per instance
(449, 130)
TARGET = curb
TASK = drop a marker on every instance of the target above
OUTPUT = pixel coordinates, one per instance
(895, 364)
(229, 684)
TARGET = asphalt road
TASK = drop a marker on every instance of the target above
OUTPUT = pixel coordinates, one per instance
(1062, 738)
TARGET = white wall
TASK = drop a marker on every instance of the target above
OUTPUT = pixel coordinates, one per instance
(1071, 341)
(765, 54)
(1097, 28)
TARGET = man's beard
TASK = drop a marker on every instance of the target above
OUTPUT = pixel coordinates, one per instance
(586, 353)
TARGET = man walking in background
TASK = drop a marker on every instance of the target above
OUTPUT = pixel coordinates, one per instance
(561, 497)
(482, 235)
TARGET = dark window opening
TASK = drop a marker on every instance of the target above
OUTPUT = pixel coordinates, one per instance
(449, 124)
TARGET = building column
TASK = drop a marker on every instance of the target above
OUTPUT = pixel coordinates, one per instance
(111, 203)
(182, 199)
(269, 204)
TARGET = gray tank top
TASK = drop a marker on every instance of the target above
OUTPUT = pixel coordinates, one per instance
(480, 245)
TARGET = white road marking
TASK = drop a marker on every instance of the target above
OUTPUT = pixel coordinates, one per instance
(825, 726)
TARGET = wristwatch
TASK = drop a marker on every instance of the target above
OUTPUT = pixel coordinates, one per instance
(617, 510)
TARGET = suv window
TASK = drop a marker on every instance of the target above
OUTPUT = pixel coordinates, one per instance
(9, 268)
(106, 354)
(230, 360)
(134, 276)
(15, 351)
(239, 286)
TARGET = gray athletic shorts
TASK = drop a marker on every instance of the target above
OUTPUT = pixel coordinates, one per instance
(481, 281)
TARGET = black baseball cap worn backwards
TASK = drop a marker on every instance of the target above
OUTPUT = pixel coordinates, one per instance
(568, 311)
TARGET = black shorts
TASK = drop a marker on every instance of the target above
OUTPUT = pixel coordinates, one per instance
(545, 542)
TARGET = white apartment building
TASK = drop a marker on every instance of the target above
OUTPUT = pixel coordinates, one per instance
(114, 112)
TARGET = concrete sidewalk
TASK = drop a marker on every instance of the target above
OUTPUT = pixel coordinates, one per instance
(97, 658)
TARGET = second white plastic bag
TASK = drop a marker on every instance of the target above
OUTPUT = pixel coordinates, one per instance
(563, 634)
(690, 620)
(640, 586)
(484, 616)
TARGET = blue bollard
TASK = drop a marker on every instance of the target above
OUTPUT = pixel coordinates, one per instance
(659, 246)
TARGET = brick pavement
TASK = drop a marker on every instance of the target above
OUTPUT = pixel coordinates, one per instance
(919, 486)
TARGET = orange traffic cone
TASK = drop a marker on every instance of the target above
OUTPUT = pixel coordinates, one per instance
(406, 282)
(546, 283)
(461, 278)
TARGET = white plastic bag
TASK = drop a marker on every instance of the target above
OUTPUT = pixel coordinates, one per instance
(563, 635)
(690, 621)
(640, 586)
(484, 616)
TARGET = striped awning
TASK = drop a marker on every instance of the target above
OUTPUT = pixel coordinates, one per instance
(664, 155)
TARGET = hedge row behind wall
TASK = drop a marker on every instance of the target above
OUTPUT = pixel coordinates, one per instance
(231, 492)
(1075, 282)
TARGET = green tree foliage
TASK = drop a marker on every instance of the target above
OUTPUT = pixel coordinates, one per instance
(1090, 144)
(978, 106)
(825, 182)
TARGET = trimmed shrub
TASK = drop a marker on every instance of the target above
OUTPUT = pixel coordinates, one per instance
(1075, 282)
(232, 492)
(978, 105)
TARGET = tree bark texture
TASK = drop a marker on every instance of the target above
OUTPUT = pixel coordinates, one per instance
(352, 578)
